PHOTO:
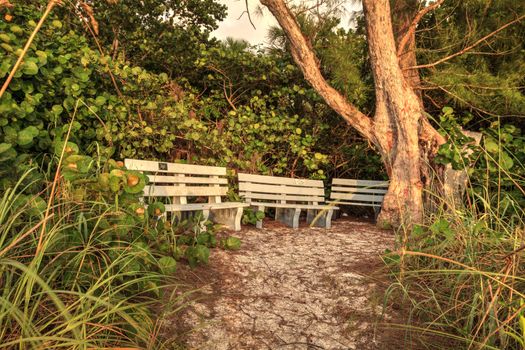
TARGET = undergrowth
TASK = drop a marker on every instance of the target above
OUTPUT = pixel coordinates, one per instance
(67, 282)
(462, 275)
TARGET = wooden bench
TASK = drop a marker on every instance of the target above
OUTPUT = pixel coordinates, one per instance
(288, 196)
(358, 192)
(182, 182)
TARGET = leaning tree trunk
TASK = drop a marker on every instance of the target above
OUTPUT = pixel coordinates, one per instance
(399, 128)
(396, 121)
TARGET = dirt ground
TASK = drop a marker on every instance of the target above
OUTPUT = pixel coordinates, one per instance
(309, 288)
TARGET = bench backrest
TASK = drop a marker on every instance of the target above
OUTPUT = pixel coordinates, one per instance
(275, 189)
(358, 192)
(180, 181)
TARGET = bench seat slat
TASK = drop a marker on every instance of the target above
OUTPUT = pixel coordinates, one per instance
(357, 197)
(204, 206)
(365, 204)
(293, 205)
(172, 191)
(186, 180)
(278, 180)
(261, 188)
(358, 190)
(278, 197)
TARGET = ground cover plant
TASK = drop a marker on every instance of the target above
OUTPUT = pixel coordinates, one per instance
(85, 267)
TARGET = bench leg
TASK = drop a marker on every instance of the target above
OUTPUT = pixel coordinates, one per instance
(231, 218)
(205, 217)
(279, 214)
(322, 218)
(377, 210)
(310, 215)
(288, 216)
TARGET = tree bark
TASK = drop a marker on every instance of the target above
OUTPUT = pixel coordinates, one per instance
(405, 36)
(397, 119)
(399, 124)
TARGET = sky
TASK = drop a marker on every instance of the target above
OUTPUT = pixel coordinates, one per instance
(237, 25)
(240, 28)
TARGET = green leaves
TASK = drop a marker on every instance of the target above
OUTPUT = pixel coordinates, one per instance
(167, 265)
(30, 68)
(135, 182)
(491, 145)
(198, 254)
(156, 209)
(26, 136)
(69, 148)
(6, 152)
(231, 243)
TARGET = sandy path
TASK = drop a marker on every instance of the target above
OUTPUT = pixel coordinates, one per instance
(289, 289)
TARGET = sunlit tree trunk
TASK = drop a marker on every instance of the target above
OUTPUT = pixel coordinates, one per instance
(396, 121)
(399, 129)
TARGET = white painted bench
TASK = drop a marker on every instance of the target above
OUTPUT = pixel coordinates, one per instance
(358, 192)
(288, 196)
(180, 182)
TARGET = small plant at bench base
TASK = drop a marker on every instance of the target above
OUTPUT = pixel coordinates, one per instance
(251, 216)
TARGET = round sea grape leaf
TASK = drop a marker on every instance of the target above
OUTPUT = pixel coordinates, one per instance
(135, 182)
(491, 145)
(26, 136)
(139, 211)
(6, 47)
(70, 148)
(78, 163)
(117, 173)
(57, 109)
(100, 100)
(202, 253)
(232, 243)
(506, 161)
(167, 265)
(42, 56)
(114, 183)
(156, 209)
(30, 68)
(141, 249)
(8, 155)
(5, 147)
(103, 181)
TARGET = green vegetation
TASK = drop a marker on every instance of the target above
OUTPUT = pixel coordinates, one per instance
(83, 262)
(462, 275)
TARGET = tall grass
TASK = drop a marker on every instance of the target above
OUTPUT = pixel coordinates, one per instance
(87, 287)
(463, 275)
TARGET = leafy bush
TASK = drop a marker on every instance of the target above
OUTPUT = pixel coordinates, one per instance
(113, 256)
(71, 279)
(496, 167)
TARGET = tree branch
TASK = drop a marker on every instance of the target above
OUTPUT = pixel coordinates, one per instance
(248, 13)
(444, 59)
(303, 54)
(412, 28)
